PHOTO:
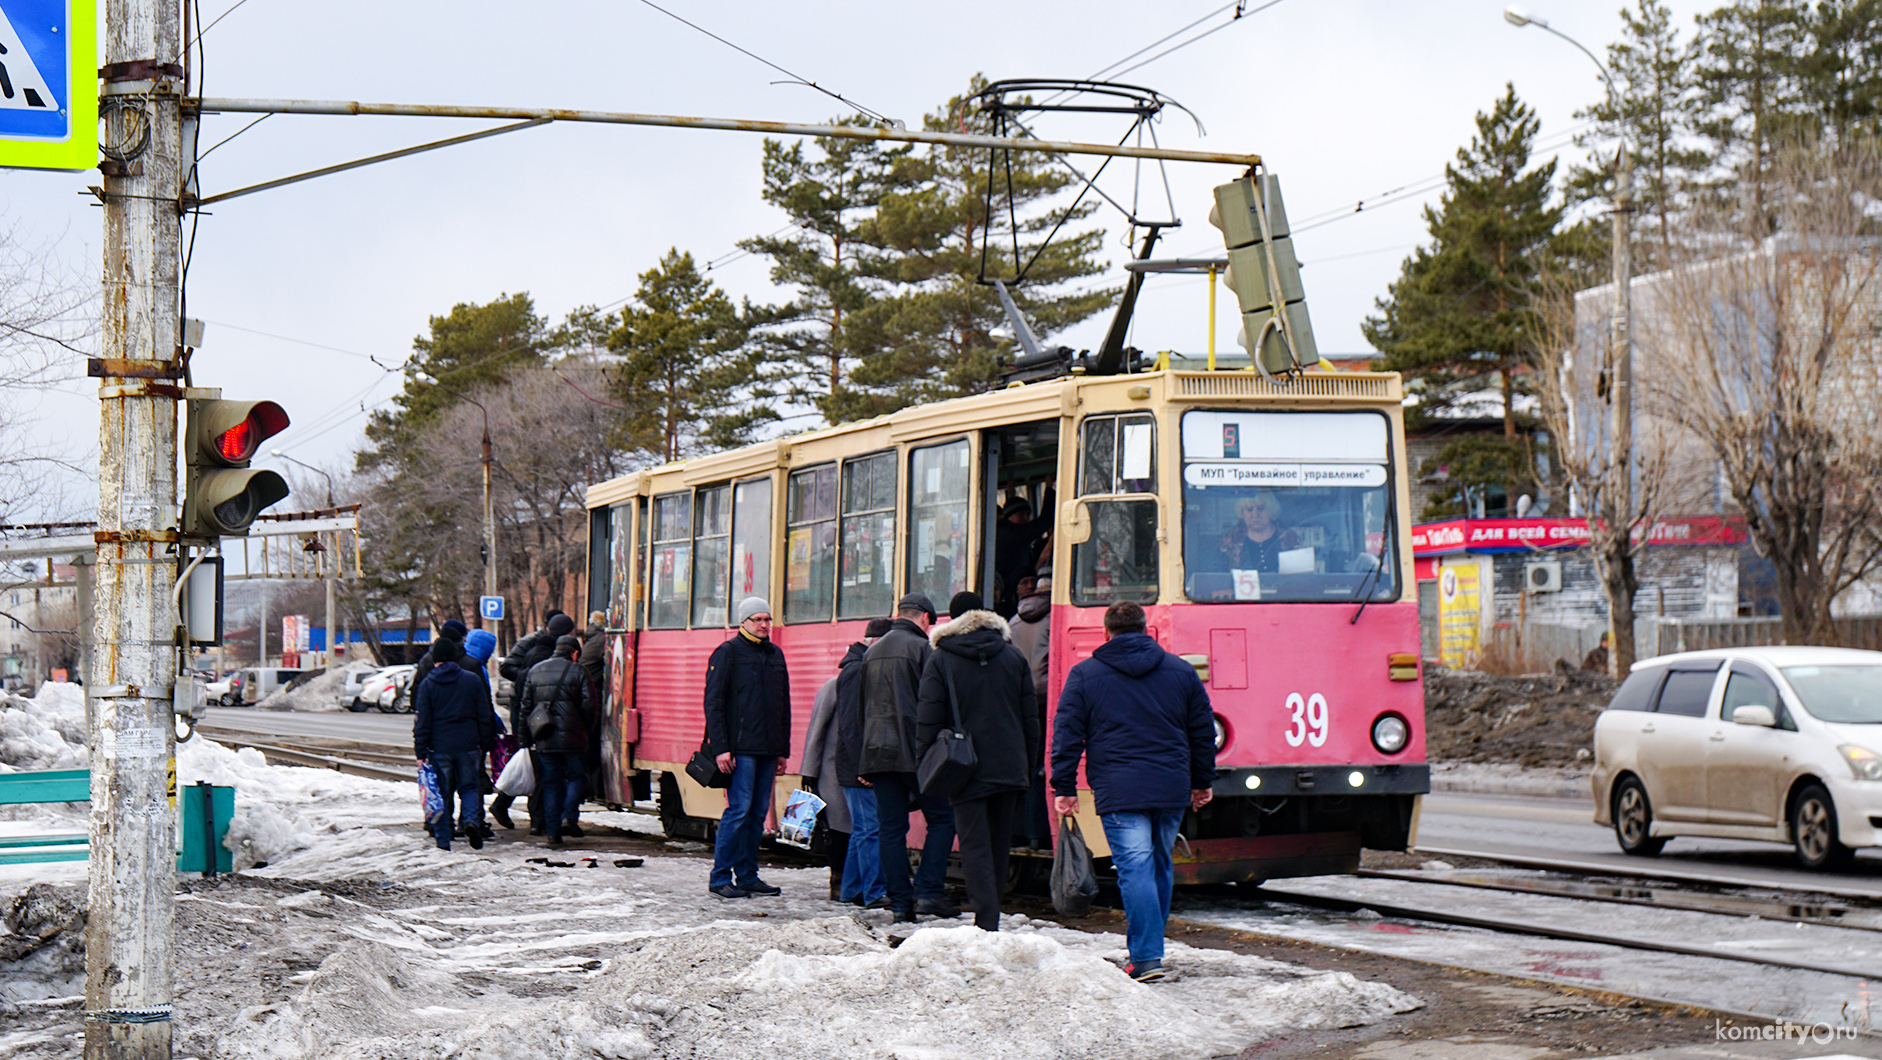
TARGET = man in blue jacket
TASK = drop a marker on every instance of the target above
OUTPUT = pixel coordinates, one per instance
(453, 729)
(1141, 719)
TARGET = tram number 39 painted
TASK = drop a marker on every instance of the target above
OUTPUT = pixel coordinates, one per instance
(1307, 719)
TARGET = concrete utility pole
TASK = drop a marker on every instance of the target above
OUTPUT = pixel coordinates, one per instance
(128, 937)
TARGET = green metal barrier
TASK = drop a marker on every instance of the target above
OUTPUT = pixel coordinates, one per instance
(206, 809)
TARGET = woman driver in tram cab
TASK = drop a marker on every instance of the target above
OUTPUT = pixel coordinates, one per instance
(1255, 542)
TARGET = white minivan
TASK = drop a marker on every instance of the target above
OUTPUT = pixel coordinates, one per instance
(1775, 743)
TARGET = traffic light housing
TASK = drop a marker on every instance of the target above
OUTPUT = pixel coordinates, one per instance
(1264, 274)
(222, 495)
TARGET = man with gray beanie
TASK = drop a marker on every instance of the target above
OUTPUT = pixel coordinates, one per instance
(748, 729)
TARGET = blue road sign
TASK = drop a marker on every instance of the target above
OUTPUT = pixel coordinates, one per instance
(490, 607)
(48, 84)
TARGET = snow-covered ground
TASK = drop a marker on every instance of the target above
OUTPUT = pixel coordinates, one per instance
(346, 933)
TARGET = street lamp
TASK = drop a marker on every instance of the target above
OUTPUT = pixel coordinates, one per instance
(1620, 334)
(333, 555)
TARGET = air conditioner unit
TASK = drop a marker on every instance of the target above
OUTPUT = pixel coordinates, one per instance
(1542, 576)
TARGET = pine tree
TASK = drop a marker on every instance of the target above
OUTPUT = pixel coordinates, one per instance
(1460, 317)
(1748, 76)
(930, 336)
(833, 259)
(686, 372)
(1657, 111)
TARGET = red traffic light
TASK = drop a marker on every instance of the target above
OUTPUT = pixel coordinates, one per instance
(238, 443)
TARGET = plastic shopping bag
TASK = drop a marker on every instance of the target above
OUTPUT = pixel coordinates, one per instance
(1074, 885)
(518, 777)
(428, 791)
(800, 817)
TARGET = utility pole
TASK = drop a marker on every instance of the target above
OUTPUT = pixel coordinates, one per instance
(129, 934)
(490, 543)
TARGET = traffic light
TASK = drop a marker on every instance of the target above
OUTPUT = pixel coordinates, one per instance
(1264, 274)
(222, 495)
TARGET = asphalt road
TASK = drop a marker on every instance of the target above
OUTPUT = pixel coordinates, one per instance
(371, 727)
(1556, 829)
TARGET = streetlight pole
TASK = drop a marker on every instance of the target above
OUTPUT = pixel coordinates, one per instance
(333, 555)
(1620, 471)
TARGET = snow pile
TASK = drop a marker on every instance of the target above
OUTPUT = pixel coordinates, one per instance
(282, 810)
(47, 732)
(320, 694)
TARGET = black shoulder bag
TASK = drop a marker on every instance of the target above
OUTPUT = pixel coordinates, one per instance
(950, 761)
(703, 767)
(542, 718)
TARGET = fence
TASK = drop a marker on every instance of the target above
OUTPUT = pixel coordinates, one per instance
(1534, 647)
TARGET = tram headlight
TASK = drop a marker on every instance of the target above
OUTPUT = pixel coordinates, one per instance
(1390, 733)
(1221, 733)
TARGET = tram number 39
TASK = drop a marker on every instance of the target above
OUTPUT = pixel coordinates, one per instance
(1307, 719)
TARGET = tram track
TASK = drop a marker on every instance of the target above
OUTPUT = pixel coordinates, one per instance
(377, 761)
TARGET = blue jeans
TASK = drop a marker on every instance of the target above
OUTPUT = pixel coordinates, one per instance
(747, 802)
(1141, 849)
(560, 778)
(457, 776)
(896, 796)
(862, 867)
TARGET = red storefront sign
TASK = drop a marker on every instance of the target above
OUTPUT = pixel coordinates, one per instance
(1521, 535)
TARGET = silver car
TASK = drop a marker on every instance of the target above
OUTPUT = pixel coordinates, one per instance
(1779, 743)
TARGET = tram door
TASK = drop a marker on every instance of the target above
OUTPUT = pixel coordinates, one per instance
(1017, 507)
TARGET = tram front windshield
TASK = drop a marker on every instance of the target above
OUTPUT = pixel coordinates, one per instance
(1287, 507)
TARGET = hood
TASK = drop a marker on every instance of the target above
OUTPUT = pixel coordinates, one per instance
(1133, 654)
(854, 655)
(445, 673)
(480, 644)
(976, 635)
(1035, 607)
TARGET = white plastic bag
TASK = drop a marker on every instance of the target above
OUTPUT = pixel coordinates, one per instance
(519, 775)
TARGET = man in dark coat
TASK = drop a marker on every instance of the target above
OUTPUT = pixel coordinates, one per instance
(452, 629)
(891, 684)
(526, 653)
(1141, 719)
(1016, 538)
(453, 729)
(558, 688)
(594, 656)
(979, 684)
(830, 767)
(748, 729)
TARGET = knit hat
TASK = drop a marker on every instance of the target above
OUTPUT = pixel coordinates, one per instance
(567, 645)
(560, 624)
(877, 627)
(964, 601)
(752, 605)
(454, 629)
(446, 650)
(480, 644)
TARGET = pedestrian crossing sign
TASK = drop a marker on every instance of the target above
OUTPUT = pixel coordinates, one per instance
(48, 84)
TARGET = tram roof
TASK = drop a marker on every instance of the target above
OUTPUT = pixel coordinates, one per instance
(1014, 404)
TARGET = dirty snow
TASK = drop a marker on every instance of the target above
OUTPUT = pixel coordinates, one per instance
(46, 731)
(348, 934)
(320, 695)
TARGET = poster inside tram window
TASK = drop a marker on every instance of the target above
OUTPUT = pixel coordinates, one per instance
(1460, 614)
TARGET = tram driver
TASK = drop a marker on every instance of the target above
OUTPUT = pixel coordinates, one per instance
(1255, 540)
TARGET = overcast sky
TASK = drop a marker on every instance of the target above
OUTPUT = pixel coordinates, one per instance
(304, 288)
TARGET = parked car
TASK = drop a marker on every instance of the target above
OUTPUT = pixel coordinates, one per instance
(397, 698)
(354, 685)
(259, 682)
(372, 693)
(225, 690)
(1778, 743)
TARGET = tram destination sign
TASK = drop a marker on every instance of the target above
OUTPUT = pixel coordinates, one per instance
(48, 84)
(1240, 473)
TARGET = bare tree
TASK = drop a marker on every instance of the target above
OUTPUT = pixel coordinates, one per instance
(48, 319)
(1768, 351)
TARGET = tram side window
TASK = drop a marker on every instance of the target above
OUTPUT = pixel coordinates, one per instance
(937, 531)
(810, 545)
(866, 584)
(671, 575)
(712, 525)
(1119, 560)
(619, 556)
(751, 539)
(641, 544)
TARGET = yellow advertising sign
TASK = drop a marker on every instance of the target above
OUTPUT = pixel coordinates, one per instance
(1460, 614)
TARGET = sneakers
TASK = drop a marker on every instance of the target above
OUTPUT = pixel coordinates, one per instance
(475, 833)
(940, 907)
(574, 830)
(726, 890)
(503, 818)
(555, 840)
(1144, 971)
(758, 886)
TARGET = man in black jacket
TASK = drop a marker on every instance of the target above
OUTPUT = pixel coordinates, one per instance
(891, 681)
(830, 769)
(977, 683)
(557, 699)
(748, 728)
(526, 653)
(453, 729)
(452, 629)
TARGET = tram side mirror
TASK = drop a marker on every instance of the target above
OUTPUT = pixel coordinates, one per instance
(1075, 522)
(1755, 714)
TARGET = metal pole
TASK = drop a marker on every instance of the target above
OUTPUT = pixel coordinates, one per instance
(129, 932)
(261, 631)
(490, 545)
(332, 559)
(1622, 339)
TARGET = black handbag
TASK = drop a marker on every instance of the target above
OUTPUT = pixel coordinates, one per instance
(950, 762)
(703, 767)
(541, 720)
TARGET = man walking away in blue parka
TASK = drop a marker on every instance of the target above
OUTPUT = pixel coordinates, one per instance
(453, 728)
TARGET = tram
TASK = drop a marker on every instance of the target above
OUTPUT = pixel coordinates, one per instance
(1307, 641)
